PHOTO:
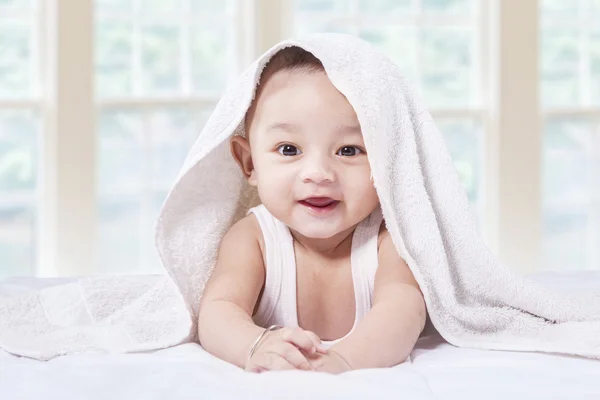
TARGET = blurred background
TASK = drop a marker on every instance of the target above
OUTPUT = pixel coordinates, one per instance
(101, 99)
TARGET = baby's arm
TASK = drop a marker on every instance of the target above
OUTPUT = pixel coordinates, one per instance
(225, 326)
(389, 331)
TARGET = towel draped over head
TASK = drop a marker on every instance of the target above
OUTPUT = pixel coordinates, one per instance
(472, 299)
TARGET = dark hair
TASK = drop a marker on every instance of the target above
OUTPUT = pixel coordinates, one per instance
(294, 59)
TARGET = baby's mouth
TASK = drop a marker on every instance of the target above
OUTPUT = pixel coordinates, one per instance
(320, 204)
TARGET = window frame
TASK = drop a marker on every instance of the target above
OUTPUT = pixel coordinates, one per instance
(67, 223)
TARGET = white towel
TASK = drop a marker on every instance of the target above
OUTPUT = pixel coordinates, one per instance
(472, 300)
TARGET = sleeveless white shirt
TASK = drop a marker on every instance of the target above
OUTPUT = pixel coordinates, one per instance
(278, 304)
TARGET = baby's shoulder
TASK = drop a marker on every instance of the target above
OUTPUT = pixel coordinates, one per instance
(245, 231)
(383, 234)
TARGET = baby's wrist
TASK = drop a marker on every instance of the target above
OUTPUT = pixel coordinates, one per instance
(258, 341)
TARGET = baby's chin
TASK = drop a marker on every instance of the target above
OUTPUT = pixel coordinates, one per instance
(311, 226)
(316, 229)
(316, 233)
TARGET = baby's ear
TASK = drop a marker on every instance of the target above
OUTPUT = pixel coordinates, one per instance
(240, 150)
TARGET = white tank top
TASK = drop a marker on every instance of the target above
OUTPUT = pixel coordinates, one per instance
(278, 304)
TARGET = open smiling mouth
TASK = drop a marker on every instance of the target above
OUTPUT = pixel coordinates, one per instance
(320, 204)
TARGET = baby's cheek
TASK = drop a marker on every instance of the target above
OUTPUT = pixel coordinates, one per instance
(272, 173)
(363, 183)
(275, 191)
(368, 196)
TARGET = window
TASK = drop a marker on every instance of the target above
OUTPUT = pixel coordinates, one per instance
(19, 136)
(83, 172)
(160, 69)
(570, 86)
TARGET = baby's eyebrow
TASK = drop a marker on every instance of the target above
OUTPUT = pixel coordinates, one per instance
(295, 128)
(355, 129)
(283, 126)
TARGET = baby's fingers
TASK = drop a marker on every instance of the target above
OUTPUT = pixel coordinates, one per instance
(269, 362)
(295, 357)
(300, 339)
(316, 342)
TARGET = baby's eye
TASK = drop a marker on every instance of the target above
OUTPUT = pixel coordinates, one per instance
(349, 151)
(288, 150)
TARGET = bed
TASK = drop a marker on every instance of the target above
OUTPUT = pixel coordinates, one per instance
(437, 370)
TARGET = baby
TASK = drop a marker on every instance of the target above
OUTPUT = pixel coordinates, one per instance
(310, 279)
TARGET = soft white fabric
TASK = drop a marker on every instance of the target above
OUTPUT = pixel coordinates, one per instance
(472, 300)
(438, 371)
(278, 304)
(124, 314)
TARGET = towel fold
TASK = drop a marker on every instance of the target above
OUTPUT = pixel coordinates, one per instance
(472, 299)
(112, 314)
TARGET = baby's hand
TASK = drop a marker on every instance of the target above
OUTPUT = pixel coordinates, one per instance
(332, 363)
(285, 348)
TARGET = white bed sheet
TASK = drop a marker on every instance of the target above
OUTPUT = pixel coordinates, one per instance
(437, 371)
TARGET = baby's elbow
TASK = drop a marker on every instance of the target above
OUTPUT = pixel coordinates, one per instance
(203, 318)
(422, 315)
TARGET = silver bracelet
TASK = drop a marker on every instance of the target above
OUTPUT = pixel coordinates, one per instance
(260, 338)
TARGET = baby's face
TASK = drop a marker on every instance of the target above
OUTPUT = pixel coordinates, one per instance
(308, 154)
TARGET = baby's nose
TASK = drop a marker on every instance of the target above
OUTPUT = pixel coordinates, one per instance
(317, 172)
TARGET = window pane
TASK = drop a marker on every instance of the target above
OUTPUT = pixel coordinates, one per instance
(173, 133)
(161, 58)
(595, 64)
(322, 16)
(386, 6)
(160, 6)
(119, 235)
(309, 25)
(566, 161)
(210, 7)
(141, 153)
(114, 51)
(112, 5)
(570, 53)
(560, 67)
(211, 60)
(147, 54)
(565, 239)
(121, 152)
(571, 195)
(559, 8)
(17, 237)
(447, 6)
(18, 5)
(15, 59)
(121, 186)
(398, 43)
(322, 5)
(18, 150)
(446, 69)
(18, 157)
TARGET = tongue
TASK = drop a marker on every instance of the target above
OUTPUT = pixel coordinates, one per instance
(319, 202)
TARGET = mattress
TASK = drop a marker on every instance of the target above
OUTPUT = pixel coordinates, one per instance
(437, 370)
